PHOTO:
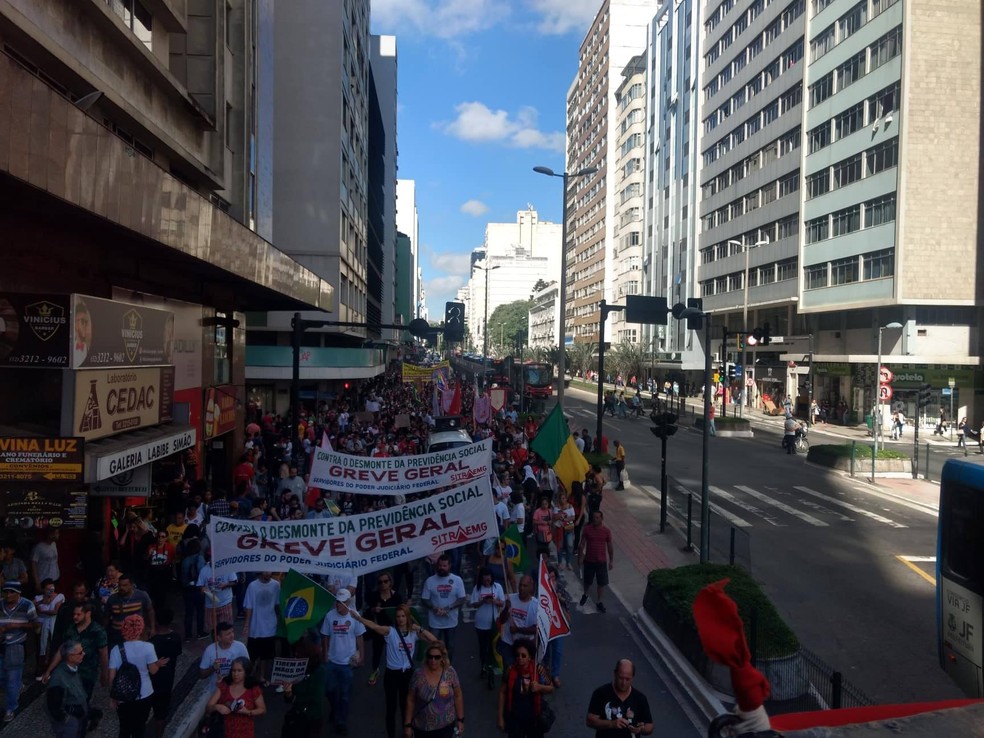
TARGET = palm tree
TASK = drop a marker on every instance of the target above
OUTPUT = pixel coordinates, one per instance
(627, 359)
(581, 356)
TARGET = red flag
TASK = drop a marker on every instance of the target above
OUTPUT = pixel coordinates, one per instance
(455, 408)
(552, 620)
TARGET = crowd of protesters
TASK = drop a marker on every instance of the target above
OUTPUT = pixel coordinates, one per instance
(120, 628)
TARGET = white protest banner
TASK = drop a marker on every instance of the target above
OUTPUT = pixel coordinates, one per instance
(356, 543)
(288, 671)
(400, 475)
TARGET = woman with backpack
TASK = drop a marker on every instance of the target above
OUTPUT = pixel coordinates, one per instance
(130, 665)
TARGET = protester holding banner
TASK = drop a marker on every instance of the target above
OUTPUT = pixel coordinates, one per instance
(559, 602)
(400, 640)
(521, 694)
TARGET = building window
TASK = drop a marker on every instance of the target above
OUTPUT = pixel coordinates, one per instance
(815, 276)
(821, 89)
(817, 229)
(849, 121)
(819, 137)
(886, 48)
(823, 42)
(852, 21)
(844, 271)
(786, 269)
(789, 184)
(879, 264)
(135, 17)
(846, 221)
(818, 184)
(847, 171)
(884, 102)
(882, 157)
(788, 226)
(878, 211)
(851, 71)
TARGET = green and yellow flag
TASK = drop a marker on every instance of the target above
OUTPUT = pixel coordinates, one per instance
(554, 443)
(303, 604)
(514, 550)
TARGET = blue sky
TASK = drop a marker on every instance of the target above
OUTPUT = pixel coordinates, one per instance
(482, 91)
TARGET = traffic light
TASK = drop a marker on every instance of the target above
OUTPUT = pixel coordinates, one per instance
(741, 342)
(766, 335)
(761, 336)
(665, 424)
(731, 371)
(925, 394)
(697, 323)
(454, 321)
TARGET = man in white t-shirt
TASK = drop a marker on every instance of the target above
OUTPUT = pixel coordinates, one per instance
(522, 609)
(443, 595)
(217, 658)
(339, 580)
(341, 650)
(260, 627)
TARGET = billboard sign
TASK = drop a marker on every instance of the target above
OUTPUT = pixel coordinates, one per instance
(111, 401)
(32, 459)
(34, 330)
(106, 333)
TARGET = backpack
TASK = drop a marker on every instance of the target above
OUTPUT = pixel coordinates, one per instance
(126, 683)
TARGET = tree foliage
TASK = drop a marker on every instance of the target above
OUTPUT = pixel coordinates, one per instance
(540, 285)
(582, 356)
(625, 358)
(504, 322)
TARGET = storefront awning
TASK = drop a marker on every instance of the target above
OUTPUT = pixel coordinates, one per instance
(112, 456)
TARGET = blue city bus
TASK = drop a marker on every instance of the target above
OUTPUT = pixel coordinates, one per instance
(960, 574)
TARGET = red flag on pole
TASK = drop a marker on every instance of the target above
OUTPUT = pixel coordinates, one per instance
(552, 621)
(455, 408)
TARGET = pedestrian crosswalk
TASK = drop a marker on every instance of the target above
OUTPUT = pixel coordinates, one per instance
(744, 506)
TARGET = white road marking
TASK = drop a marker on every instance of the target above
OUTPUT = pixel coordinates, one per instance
(764, 514)
(852, 508)
(805, 517)
(899, 500)
(731, 518)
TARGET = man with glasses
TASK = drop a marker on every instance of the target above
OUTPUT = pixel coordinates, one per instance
(66, 698)
(92, 637)
(617, 710)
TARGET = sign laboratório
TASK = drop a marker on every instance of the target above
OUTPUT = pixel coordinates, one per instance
(400, 475)
(356, 543)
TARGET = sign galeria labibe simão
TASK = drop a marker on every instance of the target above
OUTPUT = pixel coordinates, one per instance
(133, 457)
(111, 401)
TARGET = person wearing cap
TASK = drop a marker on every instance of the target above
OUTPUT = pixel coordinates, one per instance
(341, 650)
(17, 617)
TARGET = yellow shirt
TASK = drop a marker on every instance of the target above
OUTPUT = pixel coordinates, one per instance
(174, 533)
(620, 454)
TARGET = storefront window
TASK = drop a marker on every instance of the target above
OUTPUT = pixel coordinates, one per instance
(223, 352)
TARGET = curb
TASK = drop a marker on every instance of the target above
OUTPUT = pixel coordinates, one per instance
(702, 696)
(185, 723)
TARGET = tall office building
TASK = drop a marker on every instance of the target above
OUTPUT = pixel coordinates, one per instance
(751, 128)
(406, 223)
(321, 146)
(617, 34)
(382, 172)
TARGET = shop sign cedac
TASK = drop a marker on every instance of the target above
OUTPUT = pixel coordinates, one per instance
(30, 459)
(111, 401)
(106, 333)
(26, 506)
(220, 409)
(34, 329)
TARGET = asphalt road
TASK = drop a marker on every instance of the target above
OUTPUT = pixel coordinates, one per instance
(837, 558)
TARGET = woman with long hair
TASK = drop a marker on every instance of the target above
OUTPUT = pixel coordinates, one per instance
(239, 698)
(133, 714)
(435, 705)
(521, 694)
(563, 520)
(379, 604)
(488, 598)
(399, 639)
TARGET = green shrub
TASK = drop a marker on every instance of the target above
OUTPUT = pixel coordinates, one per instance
(861, 451)
(679, 587)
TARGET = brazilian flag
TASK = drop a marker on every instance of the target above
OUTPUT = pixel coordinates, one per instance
(303, 604)
(515, 551)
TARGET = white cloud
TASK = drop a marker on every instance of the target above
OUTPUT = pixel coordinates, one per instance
(444, 287)
(474, 207)
(565, 16)
(478, 123)
(458, 264)
(445, 19)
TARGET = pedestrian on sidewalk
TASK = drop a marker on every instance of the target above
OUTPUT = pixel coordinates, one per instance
(127, 601)
(435, 706)
(167, 645)
(619, 463)
(92, 636)
(192, 563)
(521, 694)
(711, 412)
(941, 424)
(617, 710)
(133, 714)
(598, 557)
(443, 595)
(66, 700)
(17, 617)
(962, 433)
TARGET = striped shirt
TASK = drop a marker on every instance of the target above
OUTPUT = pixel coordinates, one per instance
(21, 614)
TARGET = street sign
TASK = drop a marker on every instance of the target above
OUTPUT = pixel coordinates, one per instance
(29, 459)
(946, 391)
(884, 393)
(885, 375)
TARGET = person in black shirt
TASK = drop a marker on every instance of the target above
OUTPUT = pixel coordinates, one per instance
(167, 644)
(617, 710)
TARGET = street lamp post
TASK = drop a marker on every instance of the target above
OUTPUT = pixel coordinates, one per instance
(485, 323)
(705, 501)
(876, 419)
(744, 322)
(562, 292)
